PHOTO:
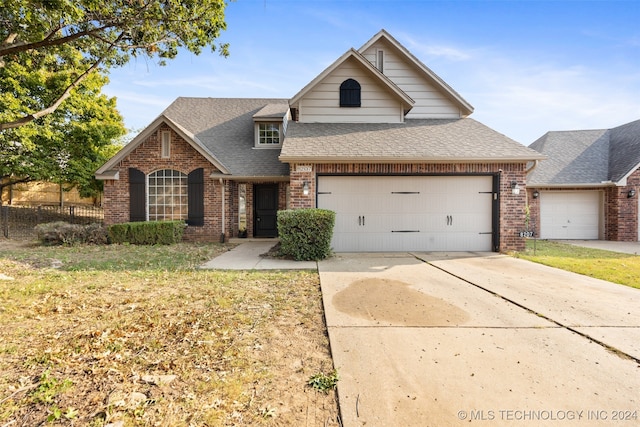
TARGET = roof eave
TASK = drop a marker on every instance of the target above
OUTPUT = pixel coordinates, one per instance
(352, 53)
(623, 180)
(132, 145)
(572, 185)
(146, 132)
(251, 178)
(395, 159)
(107, 175)
(466, 107)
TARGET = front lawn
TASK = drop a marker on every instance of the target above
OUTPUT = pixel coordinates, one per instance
(612, 266)
(92, 335)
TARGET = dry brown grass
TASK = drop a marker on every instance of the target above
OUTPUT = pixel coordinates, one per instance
(99, 346)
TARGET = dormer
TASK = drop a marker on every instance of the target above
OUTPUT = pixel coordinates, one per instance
(270, 125)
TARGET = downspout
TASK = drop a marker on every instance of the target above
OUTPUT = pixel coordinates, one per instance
(222, 234)
(533, 166)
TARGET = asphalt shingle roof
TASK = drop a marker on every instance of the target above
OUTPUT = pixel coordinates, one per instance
(574, 157)
(451, 140)
(587, 157)
(624, 156)
(225, 127)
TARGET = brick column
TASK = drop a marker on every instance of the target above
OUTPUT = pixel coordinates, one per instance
(301, 173)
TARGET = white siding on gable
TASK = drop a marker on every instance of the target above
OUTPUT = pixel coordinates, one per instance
(430, 102)
(322, 103)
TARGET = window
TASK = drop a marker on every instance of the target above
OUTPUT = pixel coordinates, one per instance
(242, 210)
(268, 134)
(350, 93)
(172, 195)
(168, 195)
(380, 60)
(165, 150)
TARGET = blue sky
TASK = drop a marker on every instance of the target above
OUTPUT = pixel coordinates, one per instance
(527, 67)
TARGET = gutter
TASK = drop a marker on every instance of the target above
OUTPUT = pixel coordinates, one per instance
(395, 159)
(575, 185)
(533, 166)
(249, 178)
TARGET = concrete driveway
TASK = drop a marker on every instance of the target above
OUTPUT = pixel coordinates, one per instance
(479, 339)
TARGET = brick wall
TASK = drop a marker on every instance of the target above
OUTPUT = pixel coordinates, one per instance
(621, 211)
(512, 207)
(534, 211)
(184, 158)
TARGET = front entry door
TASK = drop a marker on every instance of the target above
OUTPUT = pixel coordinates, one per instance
(265, 210)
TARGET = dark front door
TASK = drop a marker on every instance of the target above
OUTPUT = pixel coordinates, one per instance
(265, 210)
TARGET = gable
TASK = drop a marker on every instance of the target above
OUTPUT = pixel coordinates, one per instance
(152, 132)
(222, 130)
(321, 104)
(433, 97)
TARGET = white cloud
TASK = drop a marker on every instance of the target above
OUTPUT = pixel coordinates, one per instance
(526, 100)
(428, 50)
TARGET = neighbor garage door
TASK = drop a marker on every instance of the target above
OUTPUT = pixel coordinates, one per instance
(570, 215)
(409, 213)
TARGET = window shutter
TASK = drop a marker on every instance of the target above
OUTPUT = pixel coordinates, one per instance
(350, 93)
(195, 184)
(137, 198)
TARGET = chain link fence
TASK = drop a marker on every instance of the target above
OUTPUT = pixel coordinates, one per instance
(18, 222)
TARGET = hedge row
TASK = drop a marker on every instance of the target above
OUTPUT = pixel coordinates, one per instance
(147, 233)
(136, 233)
(63, 233)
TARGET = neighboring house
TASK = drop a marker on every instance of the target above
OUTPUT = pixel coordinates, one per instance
(587, 189)
(377, 137)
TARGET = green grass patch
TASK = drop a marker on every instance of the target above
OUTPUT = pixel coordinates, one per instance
(606, 265)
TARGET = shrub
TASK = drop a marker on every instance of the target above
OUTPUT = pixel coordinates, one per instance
(305, 234)
(64, 233)
(95, 234)
(147, 233)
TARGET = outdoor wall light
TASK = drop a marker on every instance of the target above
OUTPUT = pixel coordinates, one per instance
(305, 188)
(515, 188)
(536, 194)
(631, 193)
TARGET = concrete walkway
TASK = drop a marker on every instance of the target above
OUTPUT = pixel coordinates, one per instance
(247, 256)
(624, 247)
(480, 339)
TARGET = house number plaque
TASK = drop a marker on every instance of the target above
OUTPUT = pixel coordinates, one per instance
(304, 168)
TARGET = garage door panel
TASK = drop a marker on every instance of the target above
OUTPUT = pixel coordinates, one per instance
(570, 215)
(408, 213)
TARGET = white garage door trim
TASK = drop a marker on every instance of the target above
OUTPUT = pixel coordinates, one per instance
(570, 214)
(409, 213)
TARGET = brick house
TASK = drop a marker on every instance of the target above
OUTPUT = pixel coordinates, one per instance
(587, 187)
(377, 137)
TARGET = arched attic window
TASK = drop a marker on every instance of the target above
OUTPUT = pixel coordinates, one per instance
(350, 93)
